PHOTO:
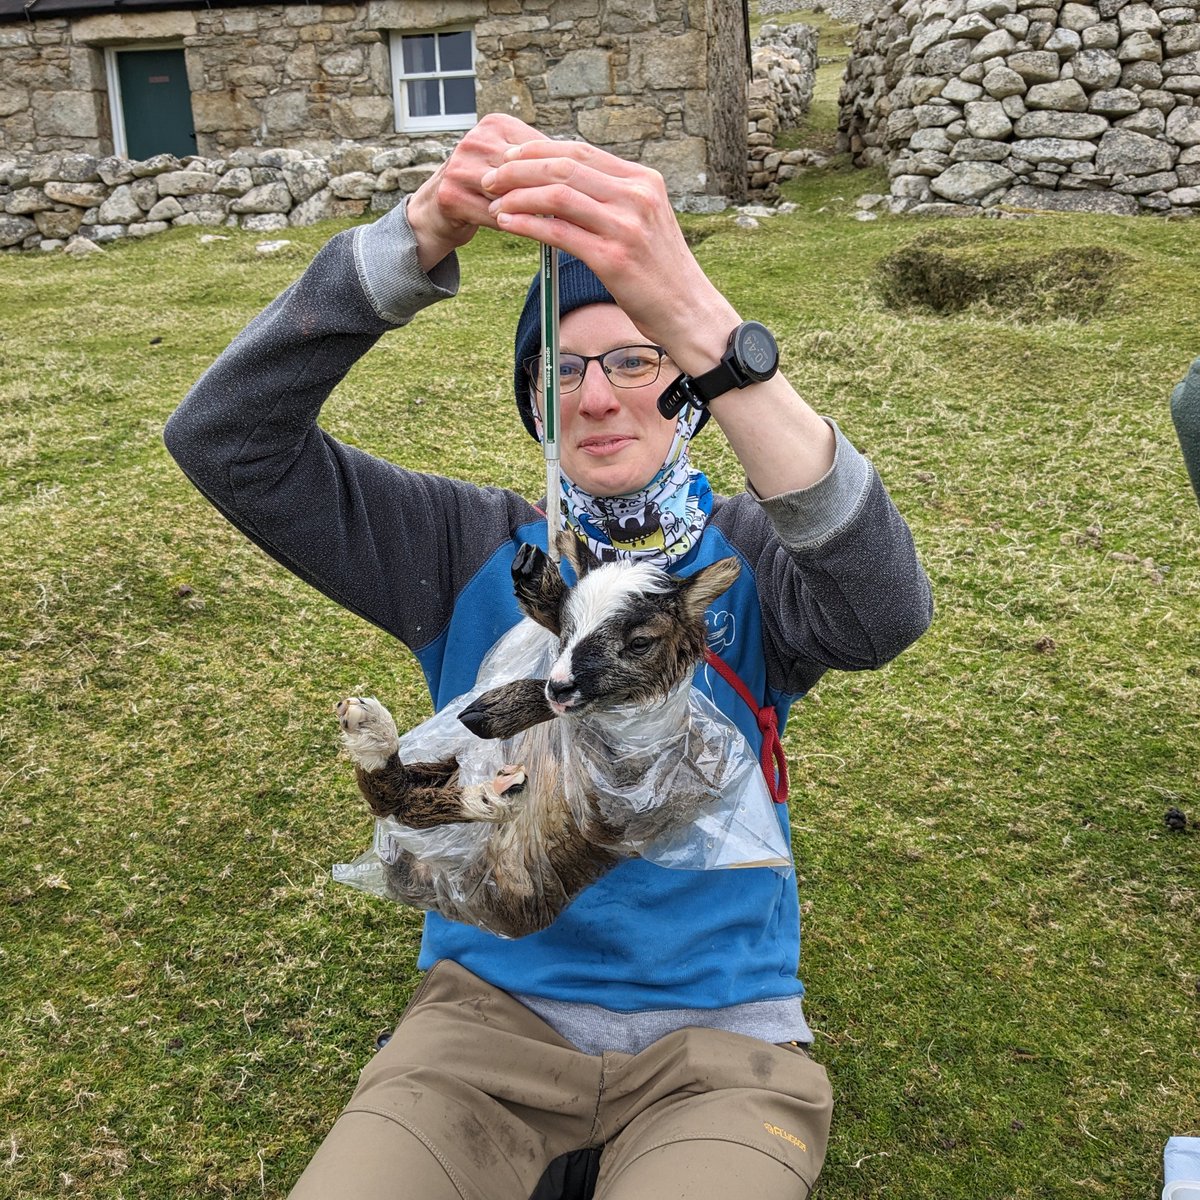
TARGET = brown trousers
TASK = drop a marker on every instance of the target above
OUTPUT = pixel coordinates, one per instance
(476, 1098)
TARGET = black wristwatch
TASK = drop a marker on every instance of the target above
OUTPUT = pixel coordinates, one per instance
(752, 357)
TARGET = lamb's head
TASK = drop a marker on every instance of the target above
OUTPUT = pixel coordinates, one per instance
(628, 632)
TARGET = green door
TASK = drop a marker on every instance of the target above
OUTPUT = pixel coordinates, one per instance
(155, 103)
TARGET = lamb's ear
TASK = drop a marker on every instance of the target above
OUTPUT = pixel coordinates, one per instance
(539, 587)
(575, 550)
(698, 591)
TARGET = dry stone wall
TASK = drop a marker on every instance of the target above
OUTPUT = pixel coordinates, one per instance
(1087, 107)
(48, 200)
(781, 89)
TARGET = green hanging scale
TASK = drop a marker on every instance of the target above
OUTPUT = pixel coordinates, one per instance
(550, 396)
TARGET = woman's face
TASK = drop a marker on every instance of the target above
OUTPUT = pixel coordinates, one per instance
(612, 440)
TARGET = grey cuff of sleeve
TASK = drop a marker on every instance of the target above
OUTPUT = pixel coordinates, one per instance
(808, 518)
(385, 257)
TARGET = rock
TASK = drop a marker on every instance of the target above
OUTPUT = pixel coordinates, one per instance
(1078, 16)
(184, 183)
(1096, 69)
(120, 208)
(987, 119)
(81, 247)
(963, 181)
(958, 92)
(980, 150)
(1114, 102)
(1042, 151)
(267, 198)
(410, 178)
(14, 229)
(1002, 82)
(140, 229)
(911, 187)
(306, 178)
(1065, 125)
(1105, 36)
(24, 202)
(1148, 121)
(997, 44)
(1140, 47)
(1183, 126)
(1065, 95)
(1101, 202)
(167, 209)
(114, 170)
(1143, 185)
(1184, 64)
(272, 247)
(83, 195)
(318, 207)
(356, 185)
(265, 222)
(1189, 196)
(1035, 66)
(58, 224)
(157, 165)
(236, 182)
(1138, 18)
(1064, 42)
(402, 156)
(946, 210)
(1122, 152)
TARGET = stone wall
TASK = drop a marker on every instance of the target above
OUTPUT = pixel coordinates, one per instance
(781, 90)
(1030, 104)
(48, 200)
(662, 82)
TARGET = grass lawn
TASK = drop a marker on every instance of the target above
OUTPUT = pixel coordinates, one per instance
(1000, 940)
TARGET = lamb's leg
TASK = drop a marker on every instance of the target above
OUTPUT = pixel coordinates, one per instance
(420, 795)
(539, 587)
(508, 710)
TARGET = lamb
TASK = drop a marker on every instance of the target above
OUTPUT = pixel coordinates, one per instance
(628, 639)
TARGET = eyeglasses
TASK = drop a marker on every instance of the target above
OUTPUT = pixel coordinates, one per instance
(625, 367)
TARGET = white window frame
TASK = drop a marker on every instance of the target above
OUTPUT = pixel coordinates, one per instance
(116, 103)
(405, 123)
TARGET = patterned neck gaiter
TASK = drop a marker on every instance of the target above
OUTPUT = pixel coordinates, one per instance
(659, 523)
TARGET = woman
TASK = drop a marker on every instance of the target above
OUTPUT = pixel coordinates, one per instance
(652, 1040)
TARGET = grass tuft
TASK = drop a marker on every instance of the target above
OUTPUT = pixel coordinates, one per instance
(947, 273)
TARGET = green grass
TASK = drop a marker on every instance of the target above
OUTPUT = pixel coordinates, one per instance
(1000, 939)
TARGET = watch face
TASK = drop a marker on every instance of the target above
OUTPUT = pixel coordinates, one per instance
(756, 351)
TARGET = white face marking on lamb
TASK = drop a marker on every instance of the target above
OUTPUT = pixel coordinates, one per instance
(599, 596)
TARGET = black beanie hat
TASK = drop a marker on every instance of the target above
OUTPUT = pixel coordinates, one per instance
(578, 286)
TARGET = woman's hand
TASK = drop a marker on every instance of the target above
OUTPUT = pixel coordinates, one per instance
(451, 204)
(617, 217)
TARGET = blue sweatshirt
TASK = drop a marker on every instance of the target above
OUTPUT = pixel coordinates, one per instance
(829, 579)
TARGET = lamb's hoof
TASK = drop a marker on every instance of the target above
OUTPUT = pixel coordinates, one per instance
(495, 801)
(368, 731)
(510, 778)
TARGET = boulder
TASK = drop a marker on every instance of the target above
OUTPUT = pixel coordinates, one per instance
(1123, 152)
(965, 181)
(1102, 202)
(1063, 125)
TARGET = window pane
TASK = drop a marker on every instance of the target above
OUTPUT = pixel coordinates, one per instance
(423, 98)
(455, 49)
(419, 54)
(460, 95)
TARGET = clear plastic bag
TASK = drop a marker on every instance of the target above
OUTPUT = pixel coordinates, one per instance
(675, 783)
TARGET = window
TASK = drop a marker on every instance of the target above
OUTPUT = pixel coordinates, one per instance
(433, 77)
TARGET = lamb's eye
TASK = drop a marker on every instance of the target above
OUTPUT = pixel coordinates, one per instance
(639, 644)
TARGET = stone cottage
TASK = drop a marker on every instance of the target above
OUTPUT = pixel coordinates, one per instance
(662, 81)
